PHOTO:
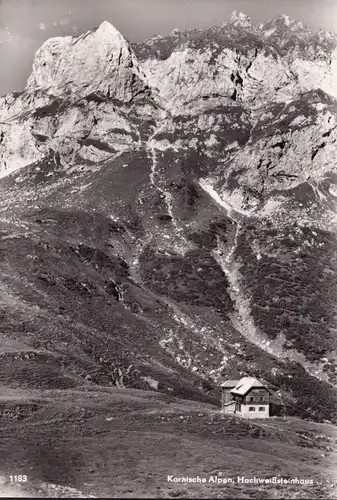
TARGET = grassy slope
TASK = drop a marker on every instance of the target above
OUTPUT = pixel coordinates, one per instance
(58, 267)
(123, 443)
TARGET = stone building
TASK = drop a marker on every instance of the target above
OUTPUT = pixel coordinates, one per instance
(247, 397)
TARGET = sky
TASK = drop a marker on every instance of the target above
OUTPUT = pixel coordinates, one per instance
(26, 24)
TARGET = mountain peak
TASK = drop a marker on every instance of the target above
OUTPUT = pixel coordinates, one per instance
(285, 21)
(106, 29)
(241, 19)
(98, 60)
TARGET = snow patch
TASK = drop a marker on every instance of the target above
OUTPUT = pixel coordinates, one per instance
(207, 186)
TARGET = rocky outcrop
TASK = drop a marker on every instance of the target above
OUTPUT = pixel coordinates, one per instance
(70, 103)
(79, 96)
(98, 61)
(276, 62)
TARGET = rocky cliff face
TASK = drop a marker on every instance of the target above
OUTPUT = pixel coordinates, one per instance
(168, 212)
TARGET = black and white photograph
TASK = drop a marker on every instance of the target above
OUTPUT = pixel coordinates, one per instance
(168, 249)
